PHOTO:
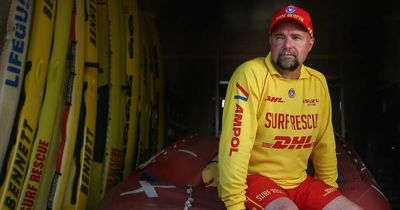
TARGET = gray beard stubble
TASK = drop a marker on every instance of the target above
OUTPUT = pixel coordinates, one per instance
(288, 65)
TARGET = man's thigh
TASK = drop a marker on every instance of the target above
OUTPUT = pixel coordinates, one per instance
(342, 203)
(261, 191)
(313, 194)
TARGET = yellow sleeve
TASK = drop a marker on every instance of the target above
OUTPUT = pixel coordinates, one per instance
(324, 152)
(239, 126)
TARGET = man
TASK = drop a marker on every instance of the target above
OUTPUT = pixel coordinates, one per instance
(277, 116)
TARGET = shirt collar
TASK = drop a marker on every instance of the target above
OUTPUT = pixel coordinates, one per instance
(304, 74)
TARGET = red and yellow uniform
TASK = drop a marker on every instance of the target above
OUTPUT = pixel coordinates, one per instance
(271, 127)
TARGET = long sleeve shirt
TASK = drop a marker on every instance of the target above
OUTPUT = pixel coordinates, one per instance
(271, 126)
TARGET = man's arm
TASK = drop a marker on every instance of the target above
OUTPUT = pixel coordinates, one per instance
(324, 152)
(239, 126)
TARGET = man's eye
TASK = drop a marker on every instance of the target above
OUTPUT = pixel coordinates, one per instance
(297, 38)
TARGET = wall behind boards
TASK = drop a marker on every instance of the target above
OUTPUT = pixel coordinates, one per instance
(204, 41)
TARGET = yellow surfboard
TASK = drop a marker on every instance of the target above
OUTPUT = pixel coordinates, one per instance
(103, 42)
(152, 135)
(114, 154)
(38, 57)
(132, 41)
(159, 83)
(14, 41)
(145, 98)
(79, 191)
(45, 187)
(60, 179)
(41, 162)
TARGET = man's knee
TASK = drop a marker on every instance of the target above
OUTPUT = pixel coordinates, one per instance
(341, 202)
(281, 203)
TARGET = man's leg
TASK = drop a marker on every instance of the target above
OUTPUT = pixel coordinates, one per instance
(281, 203)
(314, 194)
(341, 202)
(262, 193)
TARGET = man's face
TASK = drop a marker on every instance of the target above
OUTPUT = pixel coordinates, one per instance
(290, 45)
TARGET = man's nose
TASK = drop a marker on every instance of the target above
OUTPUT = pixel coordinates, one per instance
(288, 43)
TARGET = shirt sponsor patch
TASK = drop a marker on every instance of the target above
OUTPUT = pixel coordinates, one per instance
(288, 142)
(243, 91)
(291, 93)
(274, 99)
(311, 101)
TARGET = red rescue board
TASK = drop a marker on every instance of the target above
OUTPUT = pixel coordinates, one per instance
(172, 180)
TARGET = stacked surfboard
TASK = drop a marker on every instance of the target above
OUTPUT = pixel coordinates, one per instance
(14, 40)
(81, 100)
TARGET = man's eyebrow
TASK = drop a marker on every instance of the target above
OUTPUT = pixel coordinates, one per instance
(296, 34)
(278, 33)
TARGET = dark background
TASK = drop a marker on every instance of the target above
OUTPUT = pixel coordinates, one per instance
(357, 48)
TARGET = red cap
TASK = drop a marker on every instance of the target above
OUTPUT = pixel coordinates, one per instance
(292, 13)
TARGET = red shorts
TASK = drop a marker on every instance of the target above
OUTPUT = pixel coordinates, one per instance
(311, 194)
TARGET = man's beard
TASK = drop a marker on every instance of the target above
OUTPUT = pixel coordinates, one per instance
(287, 64)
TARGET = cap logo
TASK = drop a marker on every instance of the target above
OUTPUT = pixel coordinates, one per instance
(290, 9)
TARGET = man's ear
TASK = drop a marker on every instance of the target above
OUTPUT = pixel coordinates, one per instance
(269, 39)
(311, 44)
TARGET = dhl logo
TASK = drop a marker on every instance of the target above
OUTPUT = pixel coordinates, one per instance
(286, 142)
(275, 99)
(243, 91)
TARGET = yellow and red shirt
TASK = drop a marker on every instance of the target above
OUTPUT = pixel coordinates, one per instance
(271, 126)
